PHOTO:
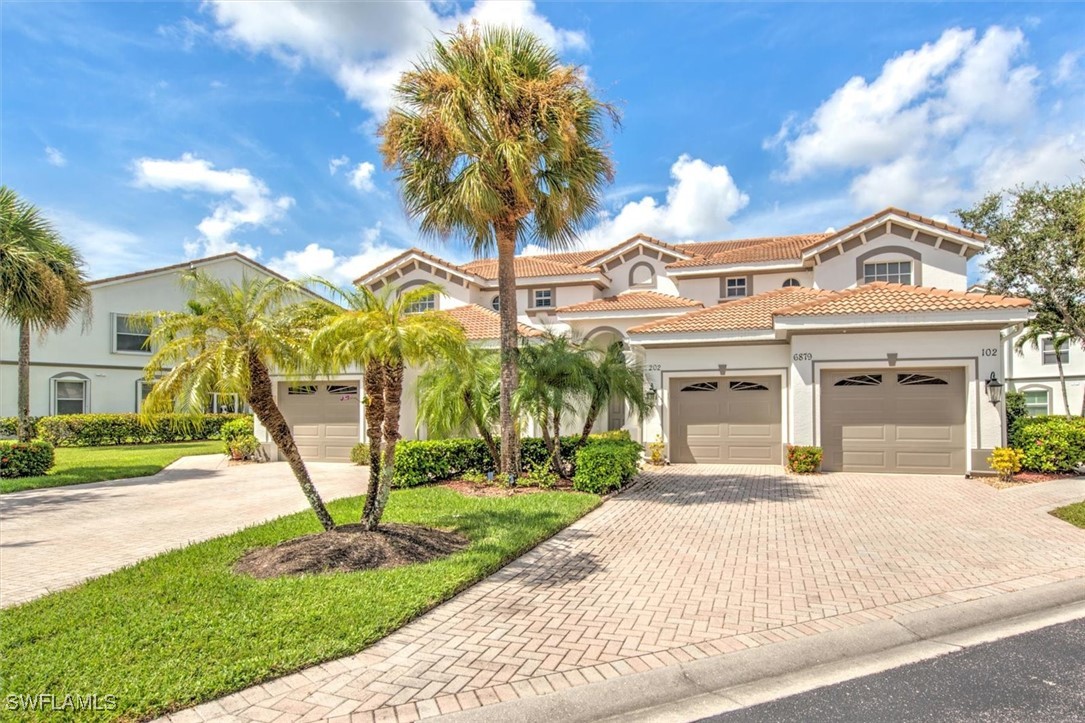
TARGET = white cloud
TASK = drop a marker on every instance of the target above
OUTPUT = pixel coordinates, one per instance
(361, 178)
(336, 163)
(108, 251)
(317, 260)
(939, 126)
(1067, 67)
(54, 157)
(700, 203)
(365, 46)
(244, 200)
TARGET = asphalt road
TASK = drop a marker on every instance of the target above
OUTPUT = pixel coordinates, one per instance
(1035, 677)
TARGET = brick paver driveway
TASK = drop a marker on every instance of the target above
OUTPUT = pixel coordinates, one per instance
(55, 538)
(692, 562)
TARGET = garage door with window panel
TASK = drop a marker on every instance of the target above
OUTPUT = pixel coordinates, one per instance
(732, 420)
(891, 420)
(323, 416)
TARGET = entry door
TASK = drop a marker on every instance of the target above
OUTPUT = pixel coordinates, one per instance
(726, 420)
(615, 413)
(894, 420)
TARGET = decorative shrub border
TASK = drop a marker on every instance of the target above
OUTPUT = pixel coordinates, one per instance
(96, 430)
(1050, 443)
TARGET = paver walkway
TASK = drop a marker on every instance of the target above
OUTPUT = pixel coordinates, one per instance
(58, 537)
(690, 563)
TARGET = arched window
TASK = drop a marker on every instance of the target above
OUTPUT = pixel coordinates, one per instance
(71, 393)
(642, 274)
(791, 282)
(495, 303)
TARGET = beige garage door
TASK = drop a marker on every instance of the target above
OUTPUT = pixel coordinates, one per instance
(893, 420)
(726, 420)
(323, 417)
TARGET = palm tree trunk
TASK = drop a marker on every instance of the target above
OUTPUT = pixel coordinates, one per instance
(23, 407)
(589, 422)
(509, 463)
(557, 442)
(373, 382)
(393, 394)
(262, 401)
(1062, 382)
(480, 426)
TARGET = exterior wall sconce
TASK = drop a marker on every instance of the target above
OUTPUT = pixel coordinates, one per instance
(994, 389)
(651, 394)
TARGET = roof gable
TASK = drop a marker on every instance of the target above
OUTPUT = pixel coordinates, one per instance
(187, 265)
(910, 226)
(409, 260)
(639, 245)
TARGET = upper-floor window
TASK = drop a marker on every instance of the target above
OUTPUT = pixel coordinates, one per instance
(1037, 401)
(735, 287)
(426, 303)
(495, 303)
(128, 337)
(895, 272)
(542, 298)
(791, 282)
(1051, 356)
(642, 275)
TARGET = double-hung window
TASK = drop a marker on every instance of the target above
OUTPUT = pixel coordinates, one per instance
(69, 396)
(1051, 356)
(1037, 401)
(128, 337)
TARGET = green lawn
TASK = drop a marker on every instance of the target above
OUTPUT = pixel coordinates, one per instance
(181, 628)
(1074, 514)
(76, 465)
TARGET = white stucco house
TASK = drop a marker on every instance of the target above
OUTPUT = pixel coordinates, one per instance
(99, 366)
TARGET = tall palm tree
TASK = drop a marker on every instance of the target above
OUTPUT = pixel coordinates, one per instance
(1046, 324)
(460, 392)
(495, 139)
(613, 374)
(228, 340)
(42, 284)
(385, 328)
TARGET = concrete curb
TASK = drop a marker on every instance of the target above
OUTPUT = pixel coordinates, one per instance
(713, 685)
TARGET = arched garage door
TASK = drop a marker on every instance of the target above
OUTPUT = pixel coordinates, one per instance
(323, 416)
(894, 420)
(726, 420)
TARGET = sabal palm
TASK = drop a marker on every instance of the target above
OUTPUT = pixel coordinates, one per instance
(496, 140)
(228, 340)
(381, 330)
(459, 392)
(1046, 324)
(614, 374)
(42, 284)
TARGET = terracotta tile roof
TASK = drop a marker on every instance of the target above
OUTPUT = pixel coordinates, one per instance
(880, 297)
(753, 312)
(527, 267)
(481, 324)
(740, 251)
(909, 215)
(576, 258)
(676, 248)
(411, 251)
(632, 301)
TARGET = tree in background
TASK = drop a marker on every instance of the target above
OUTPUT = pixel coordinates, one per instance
(1047, 324)
(388, 328)
(228, 340)
(495, 139)
(42, 285)
(459, 393)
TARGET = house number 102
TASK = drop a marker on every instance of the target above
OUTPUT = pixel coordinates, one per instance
(990, 351)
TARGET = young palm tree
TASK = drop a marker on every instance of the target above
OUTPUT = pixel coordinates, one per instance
(384, 328)
(460, 392)
(42, 285)
(1046, 324)
(556, 379)
(228, 341)
(494, 139)
(613, 373)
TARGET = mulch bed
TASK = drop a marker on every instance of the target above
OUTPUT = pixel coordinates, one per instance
(350, 548)
(483, 489)
(1028, 478)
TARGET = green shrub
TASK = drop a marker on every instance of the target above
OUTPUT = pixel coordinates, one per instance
(236, 429)
(9, 426)
(25, 459)
(804, 460)
(97, 430)
(1015, 408)
(541, 476)
(605, 465)
(620, 434)
(245, 447)
(359, 454)
(420, 462)
(1050, 443)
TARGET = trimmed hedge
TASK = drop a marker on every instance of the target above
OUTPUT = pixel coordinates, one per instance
(25, 459)
(97, 430)
(9, 426)
(605, 465)
(1050, 443)
(420, 462)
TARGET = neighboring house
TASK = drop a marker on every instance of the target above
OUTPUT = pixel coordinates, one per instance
(99, 366)
(863, 341)
(1034, 372)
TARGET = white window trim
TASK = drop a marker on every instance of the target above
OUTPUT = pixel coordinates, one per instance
(1047, 396)
(896, 259)
(727, 287)
(113, 337)
(140, 383)
(432, 297)
(70, 378)
(1047, 348)
(535, 299)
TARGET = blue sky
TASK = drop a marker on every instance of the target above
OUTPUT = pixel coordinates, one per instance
(151, 133)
